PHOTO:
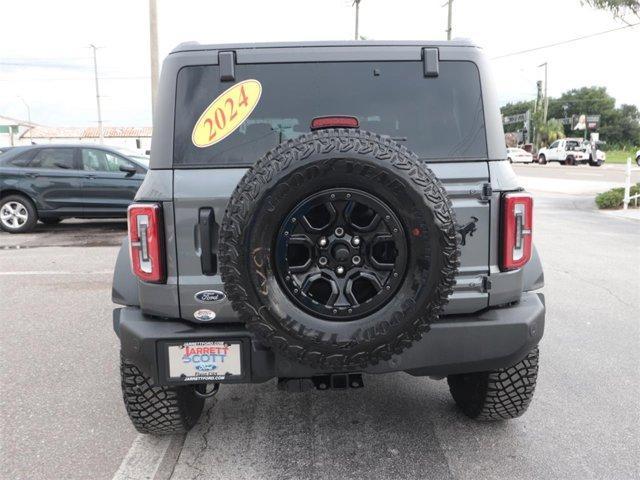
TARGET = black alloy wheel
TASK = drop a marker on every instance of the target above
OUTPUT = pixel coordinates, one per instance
(342, 252)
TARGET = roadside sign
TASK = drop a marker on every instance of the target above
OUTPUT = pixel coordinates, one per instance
(518, 117)
(585, 122)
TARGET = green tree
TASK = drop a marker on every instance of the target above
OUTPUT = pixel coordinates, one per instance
(622, 127)
(513, 109)
(619, 8)
(618, 126)
(551, 131)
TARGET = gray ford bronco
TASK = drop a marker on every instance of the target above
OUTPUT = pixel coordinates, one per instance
(314, 212)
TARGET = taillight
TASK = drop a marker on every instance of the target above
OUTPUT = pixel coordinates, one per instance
(145, 242)
(517, 230)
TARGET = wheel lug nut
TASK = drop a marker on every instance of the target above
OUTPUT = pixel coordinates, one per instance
(340, 270)
(355, 241)
(339, 232)
(322, 242)
(322, 261)
(355, 259)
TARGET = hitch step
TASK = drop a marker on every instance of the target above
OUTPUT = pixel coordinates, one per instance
(334, 381)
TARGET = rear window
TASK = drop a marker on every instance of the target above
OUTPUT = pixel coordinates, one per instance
(437, 118)
(54, 158)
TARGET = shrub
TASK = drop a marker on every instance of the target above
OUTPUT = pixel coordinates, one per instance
(615, 197)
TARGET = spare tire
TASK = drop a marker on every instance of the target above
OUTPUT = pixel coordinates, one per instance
(339, 249)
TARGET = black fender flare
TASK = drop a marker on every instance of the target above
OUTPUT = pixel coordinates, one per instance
(124, 290)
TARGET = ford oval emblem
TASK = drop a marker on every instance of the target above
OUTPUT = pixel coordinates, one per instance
(210, 296)
(204, 315)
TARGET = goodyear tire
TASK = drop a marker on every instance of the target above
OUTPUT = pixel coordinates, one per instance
(156, 409)
(496, 395)
(347, 162)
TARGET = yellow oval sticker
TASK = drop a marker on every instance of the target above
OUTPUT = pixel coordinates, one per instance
(226, 113)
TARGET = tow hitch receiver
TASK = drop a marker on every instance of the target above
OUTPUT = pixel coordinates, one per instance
(335, 381)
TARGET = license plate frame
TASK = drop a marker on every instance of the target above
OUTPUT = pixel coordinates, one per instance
(233, 368)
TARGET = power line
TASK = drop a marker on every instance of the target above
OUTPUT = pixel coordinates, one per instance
(564, 42)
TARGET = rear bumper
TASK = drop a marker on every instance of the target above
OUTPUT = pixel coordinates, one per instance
(495, 338)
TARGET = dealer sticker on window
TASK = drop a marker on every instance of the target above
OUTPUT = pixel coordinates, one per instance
(213, 361)
(226, 113)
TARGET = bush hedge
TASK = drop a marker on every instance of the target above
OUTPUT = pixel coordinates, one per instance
(614, 198)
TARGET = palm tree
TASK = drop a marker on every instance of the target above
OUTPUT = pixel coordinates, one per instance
(551, 131)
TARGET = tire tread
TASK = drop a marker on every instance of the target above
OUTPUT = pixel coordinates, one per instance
(497, 395)
(157, 409)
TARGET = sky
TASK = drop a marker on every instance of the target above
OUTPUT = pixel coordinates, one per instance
(46, 63)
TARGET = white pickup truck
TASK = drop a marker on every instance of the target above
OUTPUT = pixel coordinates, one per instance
(571, 151)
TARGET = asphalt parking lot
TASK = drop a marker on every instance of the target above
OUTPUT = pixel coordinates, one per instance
(62, 414)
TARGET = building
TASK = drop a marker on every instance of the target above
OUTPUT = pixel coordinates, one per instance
(11, 129)
(134, 138)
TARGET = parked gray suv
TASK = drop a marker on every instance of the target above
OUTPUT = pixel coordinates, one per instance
(49, 183)
(314, 212)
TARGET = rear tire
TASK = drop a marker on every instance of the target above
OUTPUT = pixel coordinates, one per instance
(17, 214)
(158, 409)
(597, 163)
(638, 160)
(542, 160)
(570, 160)
(496, 395)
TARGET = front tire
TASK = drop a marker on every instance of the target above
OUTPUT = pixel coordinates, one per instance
(499, 394)
(158, 409)
(17, 214)
(542, 160)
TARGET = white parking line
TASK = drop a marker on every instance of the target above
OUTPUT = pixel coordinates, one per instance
(56, 272)
(144, 458)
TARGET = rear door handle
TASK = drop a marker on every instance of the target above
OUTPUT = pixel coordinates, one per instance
(91, 177)
(208, 233)
(32, 175)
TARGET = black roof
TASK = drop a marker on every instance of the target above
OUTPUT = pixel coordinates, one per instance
(196, 46)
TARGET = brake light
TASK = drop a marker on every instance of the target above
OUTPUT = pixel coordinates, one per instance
(335, 121)
(145, 242)
(517, 230)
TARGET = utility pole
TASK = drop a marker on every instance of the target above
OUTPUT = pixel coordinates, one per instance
(546, 98)
(95, 73)
(153, 45)
(449, 3)
(535, 110)
(357, 5)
